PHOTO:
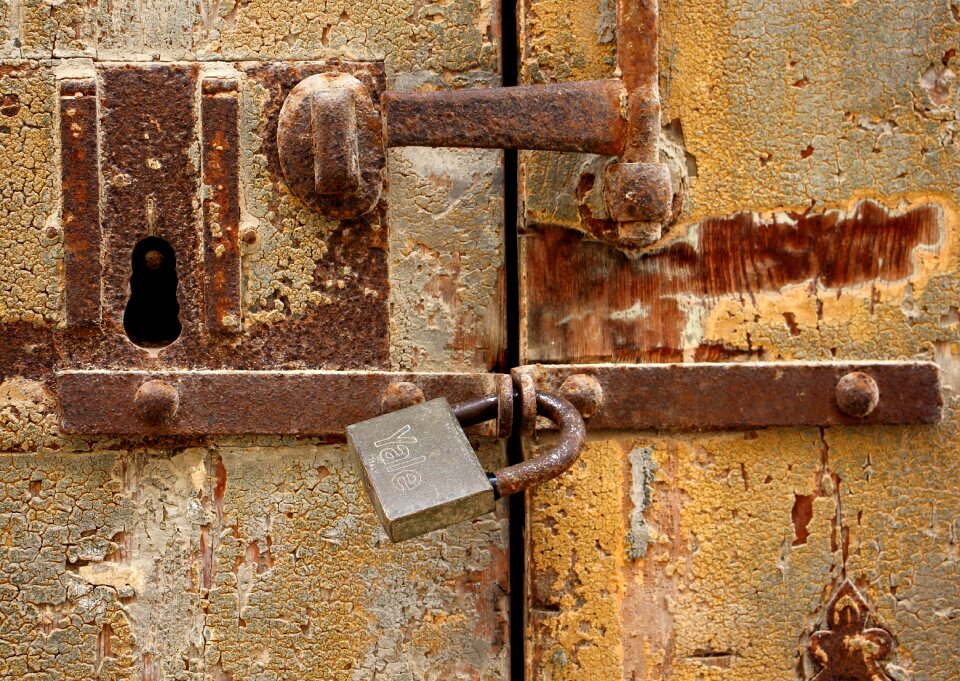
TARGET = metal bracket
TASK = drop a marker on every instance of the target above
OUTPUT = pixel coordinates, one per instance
(746, 395)
(611, 396)
(318, 403)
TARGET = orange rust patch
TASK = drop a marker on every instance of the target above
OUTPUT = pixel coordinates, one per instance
(802, 514)
(587, 301)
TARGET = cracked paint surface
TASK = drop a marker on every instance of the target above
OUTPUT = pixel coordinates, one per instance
(233, 563)
(725, 548)
(247, 558)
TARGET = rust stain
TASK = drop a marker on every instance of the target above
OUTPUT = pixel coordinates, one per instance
(81, 195)
(802, 514)
(221, 205)
(10, 104)
(588, 301)
(27, 350)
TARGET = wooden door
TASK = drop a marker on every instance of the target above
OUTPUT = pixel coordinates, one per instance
(814, 146)
(248, 557)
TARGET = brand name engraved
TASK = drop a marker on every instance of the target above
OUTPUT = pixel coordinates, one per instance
(394, 452)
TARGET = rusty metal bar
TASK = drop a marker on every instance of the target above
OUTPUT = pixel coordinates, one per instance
(746, 395)
(81, 200)
(581, 116)
(637, 34)
(628, 397)
(320, 403)
(221, 204)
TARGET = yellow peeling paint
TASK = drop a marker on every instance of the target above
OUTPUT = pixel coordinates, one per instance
(29, 230)
(576, 553)
(727, 587)
(568, 41)
(783, 104)
(778, 107)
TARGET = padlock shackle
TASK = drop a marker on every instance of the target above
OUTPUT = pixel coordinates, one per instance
(477, 410)
(556, 460)
(516, 478)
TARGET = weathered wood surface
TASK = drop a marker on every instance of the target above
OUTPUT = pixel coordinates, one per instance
(244, 558)
(815, 143)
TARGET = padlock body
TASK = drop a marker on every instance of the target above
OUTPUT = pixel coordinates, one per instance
(419, 469)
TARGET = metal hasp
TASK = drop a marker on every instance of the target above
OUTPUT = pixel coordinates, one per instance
(612, 396)
(332, 153)
(709, 396)
(291, 402)
(421, 473)
(333, 132)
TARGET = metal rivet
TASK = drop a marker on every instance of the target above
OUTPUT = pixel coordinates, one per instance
(857, 394)
(583, 392)
(400, 395)
(249, 236)
(156, 401)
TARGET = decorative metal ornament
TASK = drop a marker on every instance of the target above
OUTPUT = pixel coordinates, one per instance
(849, 651)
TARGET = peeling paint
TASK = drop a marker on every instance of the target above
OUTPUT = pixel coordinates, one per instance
(642, 471)
(250, 557)
(773, 114)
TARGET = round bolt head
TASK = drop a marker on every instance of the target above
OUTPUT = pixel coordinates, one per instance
(400, 395)
(857, 394)
(156, 401)
(248, 236)
(584, 393)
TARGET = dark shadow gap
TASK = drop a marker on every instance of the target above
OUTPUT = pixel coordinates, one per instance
(510, 71)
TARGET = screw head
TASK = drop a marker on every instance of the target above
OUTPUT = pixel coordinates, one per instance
(584, 392)
(857, 394)
(156, 401)
(400, 395)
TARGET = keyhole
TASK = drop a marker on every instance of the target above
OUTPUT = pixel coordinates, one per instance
(152, 316)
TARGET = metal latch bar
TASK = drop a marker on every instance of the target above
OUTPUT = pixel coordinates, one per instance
(579, 116)
(316, 403)
(613, 396)
(708, 396)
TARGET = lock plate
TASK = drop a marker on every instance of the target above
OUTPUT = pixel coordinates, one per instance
(160, 151)
(419, 469)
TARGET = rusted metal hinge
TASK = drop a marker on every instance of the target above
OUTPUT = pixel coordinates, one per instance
(610, 396)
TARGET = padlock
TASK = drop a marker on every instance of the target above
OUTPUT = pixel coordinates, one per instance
(422, 474)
